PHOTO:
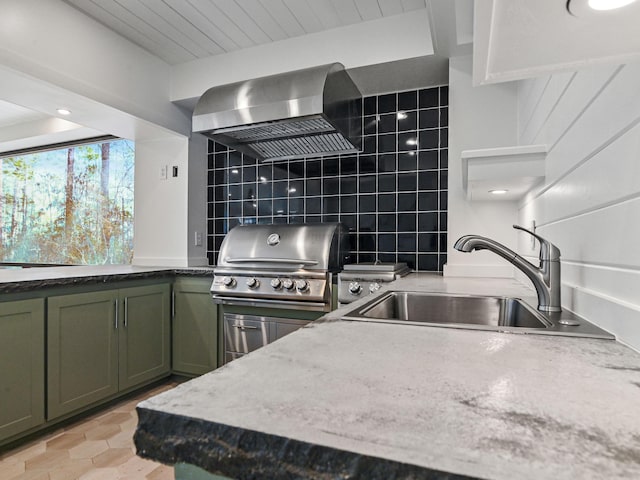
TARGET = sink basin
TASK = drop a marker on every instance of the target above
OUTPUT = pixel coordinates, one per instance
(423, 308)
(506, 314)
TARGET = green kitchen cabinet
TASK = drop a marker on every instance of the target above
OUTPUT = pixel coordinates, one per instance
(22, 356)
(195, 327)
(82, 354)
(144, 335)
(104, 342)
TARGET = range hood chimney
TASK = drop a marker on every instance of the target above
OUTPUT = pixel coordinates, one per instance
(310, 112)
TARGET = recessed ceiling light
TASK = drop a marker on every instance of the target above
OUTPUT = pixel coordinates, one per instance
(498, 192)
(412, 141)
(609, 4)
(589, 8)
(64, 111)
(401, 115)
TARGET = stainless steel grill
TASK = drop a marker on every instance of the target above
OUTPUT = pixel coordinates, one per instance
(361, 279)
(283, 266)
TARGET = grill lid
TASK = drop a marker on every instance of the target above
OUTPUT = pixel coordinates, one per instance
(302, 113)
(320, 247)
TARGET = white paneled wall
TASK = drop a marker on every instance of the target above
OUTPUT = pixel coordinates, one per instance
(590, 203)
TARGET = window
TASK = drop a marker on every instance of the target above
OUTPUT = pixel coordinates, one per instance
(68, 205)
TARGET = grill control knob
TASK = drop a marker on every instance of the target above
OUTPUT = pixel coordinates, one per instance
(228, 281)
(374, 287)
(276, 283)
(253, 282)
(355, 288)
(302, 285)
(287, 284)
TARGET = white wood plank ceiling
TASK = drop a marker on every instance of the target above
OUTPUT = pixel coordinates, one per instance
(178, 31)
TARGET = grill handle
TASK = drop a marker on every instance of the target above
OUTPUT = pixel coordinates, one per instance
(296, 261)
(244, 327)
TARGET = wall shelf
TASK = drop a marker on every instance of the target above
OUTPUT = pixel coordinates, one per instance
(515, 169)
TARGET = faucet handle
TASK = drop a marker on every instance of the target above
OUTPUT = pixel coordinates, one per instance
(548, 251)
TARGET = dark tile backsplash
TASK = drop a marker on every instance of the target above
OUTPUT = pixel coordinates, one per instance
(392, 196)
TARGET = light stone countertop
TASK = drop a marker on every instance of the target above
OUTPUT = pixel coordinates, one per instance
(413, 400)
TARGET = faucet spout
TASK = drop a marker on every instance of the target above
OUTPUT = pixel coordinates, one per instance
(545, 279)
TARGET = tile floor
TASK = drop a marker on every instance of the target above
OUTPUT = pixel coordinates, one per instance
(99, 447)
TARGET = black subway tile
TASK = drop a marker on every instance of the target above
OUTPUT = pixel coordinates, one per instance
(313, 186)
(407, 121)
(330, 167)
(408, 100)
(407, 202)
(428, 160)
(387, 123)
(366, 203)
(387, 163)
(392, 195)
(387, 222)
(349, 165)
(387, 202)
(429, 139)
(429, 118)
(387, 182)
(367, 183)
(387, 143)
(370, 106)
(387, 242)
(407, 222)
(387, 103)
(428, 97)
(407, 161)
(428, 222)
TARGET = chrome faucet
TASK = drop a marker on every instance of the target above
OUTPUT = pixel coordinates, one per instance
(546, 278)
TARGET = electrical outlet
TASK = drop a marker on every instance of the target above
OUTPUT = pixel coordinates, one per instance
(197, 240)
(164, 172)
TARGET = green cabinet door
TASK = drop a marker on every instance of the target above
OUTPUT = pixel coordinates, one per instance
(145, 335)
(21, 366)
(195, 327)
(82, 354)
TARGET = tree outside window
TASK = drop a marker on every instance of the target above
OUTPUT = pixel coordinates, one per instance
(68, 206)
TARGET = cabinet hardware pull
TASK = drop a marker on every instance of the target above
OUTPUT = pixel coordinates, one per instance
(173, 304)
(244, 327)
(126, 311)
(116, 316)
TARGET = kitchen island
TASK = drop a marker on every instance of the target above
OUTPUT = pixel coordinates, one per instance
(340, 399)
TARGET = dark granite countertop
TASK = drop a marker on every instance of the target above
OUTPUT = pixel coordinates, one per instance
(23, 280)
(340, 399)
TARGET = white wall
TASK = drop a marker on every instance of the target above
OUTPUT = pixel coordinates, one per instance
(479, 117)
(169, 211)
(52, 56)
(197, 201)
(589, 205)
(88, 64)
(374, 42)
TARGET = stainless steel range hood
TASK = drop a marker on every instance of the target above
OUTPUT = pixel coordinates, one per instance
(307, 112)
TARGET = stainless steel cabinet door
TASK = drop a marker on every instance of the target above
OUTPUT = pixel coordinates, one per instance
(243, 335)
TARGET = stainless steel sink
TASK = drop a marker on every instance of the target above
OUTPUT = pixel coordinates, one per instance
(505, 314)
